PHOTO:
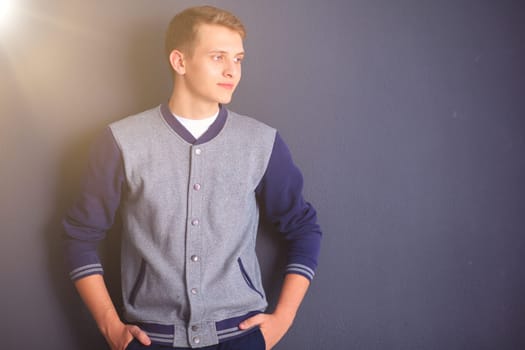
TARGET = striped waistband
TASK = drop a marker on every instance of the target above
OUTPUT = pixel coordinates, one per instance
(196, 335)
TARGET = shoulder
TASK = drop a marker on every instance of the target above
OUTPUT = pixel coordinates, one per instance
(250, 126)
(137, 130)
(138, 119)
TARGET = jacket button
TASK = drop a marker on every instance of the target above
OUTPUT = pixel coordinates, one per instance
(198, 151)
(194, 291)
(194, 258)
(195, 222)
(196, 340)
(197, 187)
(195, 328)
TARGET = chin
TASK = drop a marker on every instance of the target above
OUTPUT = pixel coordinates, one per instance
(224, 100)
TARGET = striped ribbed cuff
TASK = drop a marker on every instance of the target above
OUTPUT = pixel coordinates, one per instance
(301, 270)
(86, 270)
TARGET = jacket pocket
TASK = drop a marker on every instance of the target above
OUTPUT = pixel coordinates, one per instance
(138, 283)
(247, 278)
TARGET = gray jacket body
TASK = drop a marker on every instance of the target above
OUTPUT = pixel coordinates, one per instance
(190, 221)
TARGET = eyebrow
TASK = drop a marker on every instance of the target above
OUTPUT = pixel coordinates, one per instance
(226, 52)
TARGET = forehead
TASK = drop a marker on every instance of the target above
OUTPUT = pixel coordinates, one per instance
(217, 37)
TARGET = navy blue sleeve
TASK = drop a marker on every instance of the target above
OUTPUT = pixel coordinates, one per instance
(280, 198)
(87, 221)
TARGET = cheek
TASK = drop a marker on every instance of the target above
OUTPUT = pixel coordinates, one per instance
(212, 67)
(238, 73)
(207, 69)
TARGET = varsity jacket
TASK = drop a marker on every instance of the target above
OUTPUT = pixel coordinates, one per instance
(190, 211)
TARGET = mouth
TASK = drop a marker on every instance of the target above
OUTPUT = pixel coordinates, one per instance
(227, 86)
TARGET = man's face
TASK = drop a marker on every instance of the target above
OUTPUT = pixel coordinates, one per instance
(213, 69)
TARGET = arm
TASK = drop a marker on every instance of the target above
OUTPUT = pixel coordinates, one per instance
(281, 201)
(274, 326)
(85, 225)
(280, 196)
(94, 293)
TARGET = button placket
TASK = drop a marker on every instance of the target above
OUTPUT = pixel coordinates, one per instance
(194, 245)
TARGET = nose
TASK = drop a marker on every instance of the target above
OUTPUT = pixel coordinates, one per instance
(230, 69)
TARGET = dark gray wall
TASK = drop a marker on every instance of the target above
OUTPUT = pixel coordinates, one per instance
(406, 117)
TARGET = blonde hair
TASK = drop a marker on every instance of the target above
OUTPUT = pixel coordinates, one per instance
(183, 28)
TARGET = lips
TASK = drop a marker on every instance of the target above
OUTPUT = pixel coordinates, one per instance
(226, 86)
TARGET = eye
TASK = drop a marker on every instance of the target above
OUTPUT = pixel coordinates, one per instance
(217, 57)
(238, 59)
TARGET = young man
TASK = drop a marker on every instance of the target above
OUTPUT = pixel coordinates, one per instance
(189, 178)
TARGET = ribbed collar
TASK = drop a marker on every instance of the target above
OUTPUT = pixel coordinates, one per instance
(212, 131)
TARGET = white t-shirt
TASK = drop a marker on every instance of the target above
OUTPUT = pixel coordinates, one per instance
(197, 127)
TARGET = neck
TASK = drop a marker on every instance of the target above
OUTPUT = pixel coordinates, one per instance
(185, 105)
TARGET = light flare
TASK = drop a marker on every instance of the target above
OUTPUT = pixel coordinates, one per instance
(5, 11)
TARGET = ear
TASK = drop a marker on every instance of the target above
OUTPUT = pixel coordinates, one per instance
(177, 62)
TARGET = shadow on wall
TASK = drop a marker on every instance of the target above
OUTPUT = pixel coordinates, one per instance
(150, 79)
(150, 85)
(143, 87)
